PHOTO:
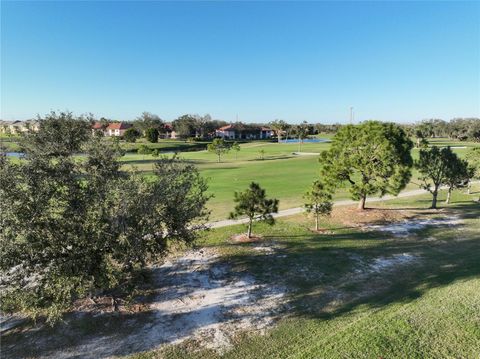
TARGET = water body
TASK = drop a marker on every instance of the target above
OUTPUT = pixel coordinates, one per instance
(15, 154)
(306, 140)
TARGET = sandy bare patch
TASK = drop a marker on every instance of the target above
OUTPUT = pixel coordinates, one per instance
(352, 217)
(406, 227)
(197, 298)
(243, 238)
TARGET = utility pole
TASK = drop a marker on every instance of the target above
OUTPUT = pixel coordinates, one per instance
(351, 114)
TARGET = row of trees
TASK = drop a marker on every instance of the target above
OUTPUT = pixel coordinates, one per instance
(462, 129)
(70, 228)
(372, 158)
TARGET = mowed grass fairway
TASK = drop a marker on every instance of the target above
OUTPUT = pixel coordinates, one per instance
(282, 173)
(428, 308)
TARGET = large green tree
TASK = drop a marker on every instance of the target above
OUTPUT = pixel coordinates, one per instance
(254, 204)
(186, 126)
(440, 167)
(131, 135)
(151, 134)
(371, 158)
(71, 228)
(148, 120)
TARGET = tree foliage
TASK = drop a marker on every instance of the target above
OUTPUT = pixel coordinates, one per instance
(318, 201)
(131, 135)
(279, 126)
(151, 134)
(148, 120)
(372, 158)
(438, 167)
(254, 204)
(235, 147)
(72, 228)
(218, 147)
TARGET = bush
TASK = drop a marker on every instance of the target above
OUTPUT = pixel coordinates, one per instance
(151, 134)
(131, 135)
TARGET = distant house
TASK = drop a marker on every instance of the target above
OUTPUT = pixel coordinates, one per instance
(244, 132)
(168, 132)
(98, 127)
(117, 129)
(16, 127)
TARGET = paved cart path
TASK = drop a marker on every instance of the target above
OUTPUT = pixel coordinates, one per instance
(296, 210)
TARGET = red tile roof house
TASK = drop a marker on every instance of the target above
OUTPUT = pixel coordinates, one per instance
(117, 129)
(246, 132)
(168, 132)
(97, 126)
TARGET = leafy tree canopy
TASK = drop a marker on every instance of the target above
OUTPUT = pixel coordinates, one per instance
(151, 134)
(219, 147)
(254, 204)
(148, 120)
(438, 167)
(131, 135)
(318, 201)
(372, 158)
(72, 228)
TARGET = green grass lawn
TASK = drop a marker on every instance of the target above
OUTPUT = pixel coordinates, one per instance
(283, 174)
(426, 309)
(429, 309)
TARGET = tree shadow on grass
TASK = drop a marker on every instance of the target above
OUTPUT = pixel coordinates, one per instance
(329, 275)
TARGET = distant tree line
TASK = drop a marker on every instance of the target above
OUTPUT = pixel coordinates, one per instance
(462, 129)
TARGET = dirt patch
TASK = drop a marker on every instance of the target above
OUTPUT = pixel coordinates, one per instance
(243, 238)
(352, 217)
(197, 298)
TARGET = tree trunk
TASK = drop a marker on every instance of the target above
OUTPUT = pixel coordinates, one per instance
(469, 187)
(219, 158)
(316, 222)
(361, 204)
(449, 194)
(279, 137)
(434, 199)
(249, 231)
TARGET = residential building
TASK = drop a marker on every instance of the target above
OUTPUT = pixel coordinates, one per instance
(244, 132)
(16, 127)
(117, 129)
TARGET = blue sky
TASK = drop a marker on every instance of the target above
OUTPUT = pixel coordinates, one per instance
(392, 61)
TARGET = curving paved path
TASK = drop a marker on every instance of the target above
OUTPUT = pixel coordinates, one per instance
(296, 210)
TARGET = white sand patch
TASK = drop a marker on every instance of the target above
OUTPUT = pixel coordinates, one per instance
(406, 227)
(382, 264)
(208, 306)
(264, 249)
(197, 298)
(385, 263)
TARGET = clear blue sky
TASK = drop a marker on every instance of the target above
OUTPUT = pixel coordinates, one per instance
(259, 60)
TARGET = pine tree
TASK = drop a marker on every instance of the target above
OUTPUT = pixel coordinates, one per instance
(372, 158)
(253, 203)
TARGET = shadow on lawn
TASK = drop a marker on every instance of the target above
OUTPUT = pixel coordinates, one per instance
(320, 269)
(443, 256)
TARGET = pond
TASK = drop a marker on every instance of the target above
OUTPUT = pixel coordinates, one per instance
(307, 140)
(15, 154)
